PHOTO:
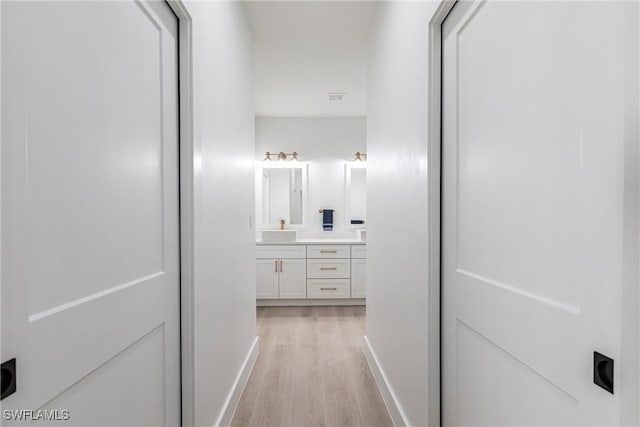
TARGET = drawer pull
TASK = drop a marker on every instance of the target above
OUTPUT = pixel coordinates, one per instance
(328, 252)
(328, 268)
(328, 289)
(276, 266)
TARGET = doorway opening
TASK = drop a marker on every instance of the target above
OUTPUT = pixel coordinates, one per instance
(310, 62)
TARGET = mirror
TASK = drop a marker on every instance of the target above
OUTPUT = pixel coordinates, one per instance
(356, 195)
(281, 194)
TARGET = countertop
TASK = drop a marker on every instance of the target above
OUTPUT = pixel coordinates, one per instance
(316, 242)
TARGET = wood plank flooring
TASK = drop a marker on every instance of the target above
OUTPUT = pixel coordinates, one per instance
(311, 371)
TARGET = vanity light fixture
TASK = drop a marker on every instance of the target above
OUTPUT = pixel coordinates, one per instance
(361, 157)
(281, 156)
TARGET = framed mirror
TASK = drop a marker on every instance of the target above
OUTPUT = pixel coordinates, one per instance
(356, 195)
(281, 193)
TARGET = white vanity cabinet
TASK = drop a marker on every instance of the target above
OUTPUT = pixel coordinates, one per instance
(281, 272)
(359, 271)
(308, 272)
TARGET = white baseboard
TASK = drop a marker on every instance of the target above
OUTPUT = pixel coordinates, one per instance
(309, 302)
(393, 406)
(230, 405)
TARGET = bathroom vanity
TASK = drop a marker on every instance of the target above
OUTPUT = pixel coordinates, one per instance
(311, 272)
(295, 263)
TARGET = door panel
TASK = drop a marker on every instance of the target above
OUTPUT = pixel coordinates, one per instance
(532, 208)
(90, 297)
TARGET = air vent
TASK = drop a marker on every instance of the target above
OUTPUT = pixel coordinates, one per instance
(336, 96)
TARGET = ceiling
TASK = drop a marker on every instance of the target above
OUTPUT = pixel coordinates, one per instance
(306, 49)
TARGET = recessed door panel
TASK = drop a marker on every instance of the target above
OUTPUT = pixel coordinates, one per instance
(533, 202)
(90, 274)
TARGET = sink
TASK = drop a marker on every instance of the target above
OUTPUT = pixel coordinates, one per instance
(279, 235)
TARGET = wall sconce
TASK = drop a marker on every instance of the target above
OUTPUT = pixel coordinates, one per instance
(361, 157)
(281, 156)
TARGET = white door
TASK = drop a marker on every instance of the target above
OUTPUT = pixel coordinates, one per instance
(267, 278)
(358, 278)
(90, 285)
(293, 278)
(535, 131)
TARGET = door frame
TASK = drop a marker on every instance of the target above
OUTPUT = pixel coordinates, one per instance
(630, 307)
(187, 211)
(434, 173)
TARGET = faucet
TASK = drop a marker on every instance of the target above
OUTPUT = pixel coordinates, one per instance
(282, 224)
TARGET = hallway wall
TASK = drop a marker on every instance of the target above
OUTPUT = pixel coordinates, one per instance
(397, 291)
(225, 312)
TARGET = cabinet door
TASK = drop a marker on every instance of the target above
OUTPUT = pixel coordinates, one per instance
(293, 278)
(266, 278)
(358, 278)
(358, 251)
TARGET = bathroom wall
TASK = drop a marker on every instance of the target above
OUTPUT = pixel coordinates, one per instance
(326, 144)
(224, 249)
(398, 314)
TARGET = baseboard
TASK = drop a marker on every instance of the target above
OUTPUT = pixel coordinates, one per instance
(389, 397)
(308, 302)
(230, 405)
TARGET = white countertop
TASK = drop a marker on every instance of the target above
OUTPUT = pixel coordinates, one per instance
(316, 242)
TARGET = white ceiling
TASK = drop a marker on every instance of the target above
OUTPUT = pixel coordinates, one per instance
(305, 49)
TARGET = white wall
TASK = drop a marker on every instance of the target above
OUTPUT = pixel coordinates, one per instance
(225, 322)
(326, 144)
(397, 296)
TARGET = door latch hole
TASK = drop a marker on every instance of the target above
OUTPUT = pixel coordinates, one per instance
(8, 378)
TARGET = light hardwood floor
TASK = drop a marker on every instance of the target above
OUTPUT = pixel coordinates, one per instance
(311, 371)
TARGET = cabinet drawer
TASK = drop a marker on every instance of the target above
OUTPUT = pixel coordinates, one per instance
(358, 251)
(280, 251)
(324, 269)
(328, 288)
(328, 251)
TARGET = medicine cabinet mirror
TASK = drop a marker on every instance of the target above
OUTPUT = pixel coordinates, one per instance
(356, 195)
(281, 193)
